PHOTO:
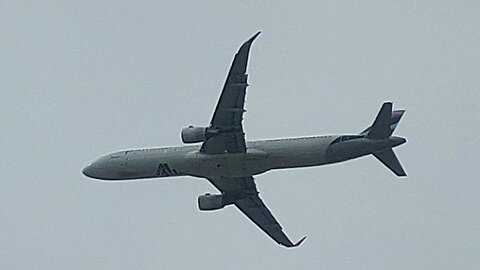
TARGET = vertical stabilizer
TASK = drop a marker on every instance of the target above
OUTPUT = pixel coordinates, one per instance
(385, 123)
(380, 128)
(396, 116)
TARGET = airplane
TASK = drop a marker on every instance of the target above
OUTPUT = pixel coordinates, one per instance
(229, 162)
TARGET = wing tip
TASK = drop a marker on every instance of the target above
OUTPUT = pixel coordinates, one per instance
(299, 242)
(254, 37)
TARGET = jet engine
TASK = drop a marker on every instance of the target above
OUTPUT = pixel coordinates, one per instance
(193, 134)
(209, 202)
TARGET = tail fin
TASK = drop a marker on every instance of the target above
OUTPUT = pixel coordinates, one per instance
(385, 123)
(382, 128)
(388, 158)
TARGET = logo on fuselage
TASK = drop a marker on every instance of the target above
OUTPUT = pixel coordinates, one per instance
(165, 170)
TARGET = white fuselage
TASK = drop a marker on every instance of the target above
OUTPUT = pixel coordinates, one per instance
(260, 157)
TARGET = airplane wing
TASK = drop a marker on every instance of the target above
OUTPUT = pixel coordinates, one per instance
(244, 194)
(228, 115)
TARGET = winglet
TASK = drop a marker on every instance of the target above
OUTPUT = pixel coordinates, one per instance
(300, 241)
(254, 37)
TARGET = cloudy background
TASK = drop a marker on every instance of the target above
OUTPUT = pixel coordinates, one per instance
(83, 78)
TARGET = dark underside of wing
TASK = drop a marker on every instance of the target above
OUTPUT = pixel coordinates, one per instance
(245, 196)
(228, 115)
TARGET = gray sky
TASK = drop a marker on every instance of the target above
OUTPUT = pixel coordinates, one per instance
(80, 79)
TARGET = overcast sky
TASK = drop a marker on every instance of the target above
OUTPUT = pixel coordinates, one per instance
(80, 79)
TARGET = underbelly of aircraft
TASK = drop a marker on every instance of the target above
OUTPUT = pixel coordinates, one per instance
(230, 165)
(253, 162)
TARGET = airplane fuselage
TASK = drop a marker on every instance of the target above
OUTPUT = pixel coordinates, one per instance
(261, 156)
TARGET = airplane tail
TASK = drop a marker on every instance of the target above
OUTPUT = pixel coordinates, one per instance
(382, 128)
(385, 123)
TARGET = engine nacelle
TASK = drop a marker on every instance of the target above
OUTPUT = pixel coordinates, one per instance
(193, 134)
(210, 202)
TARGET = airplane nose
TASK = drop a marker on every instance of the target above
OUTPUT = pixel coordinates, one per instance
(88, 171)
(101, 169)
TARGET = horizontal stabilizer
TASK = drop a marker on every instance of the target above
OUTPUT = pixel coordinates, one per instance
(388, 158)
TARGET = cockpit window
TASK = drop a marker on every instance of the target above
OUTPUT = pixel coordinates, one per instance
(347, 138)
